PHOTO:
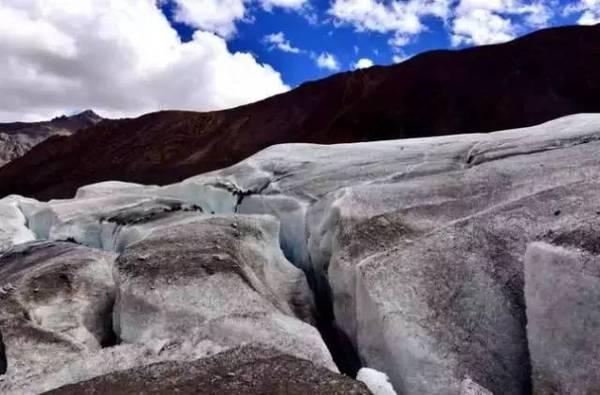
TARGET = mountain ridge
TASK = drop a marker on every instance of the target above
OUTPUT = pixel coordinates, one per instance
(17, 138)
(521, 83)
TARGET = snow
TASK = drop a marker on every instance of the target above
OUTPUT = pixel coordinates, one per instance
(110, 188)
(377, 382)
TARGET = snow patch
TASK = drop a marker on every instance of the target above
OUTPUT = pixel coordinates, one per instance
(377, 382)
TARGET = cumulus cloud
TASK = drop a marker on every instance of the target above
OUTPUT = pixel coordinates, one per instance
(363, 63)
(217, 16)
(278, 40)
(404, 18)
(482, 22)
(121, 58)
(327, 61)
(589, 11)
(468, 21)
(220, 16)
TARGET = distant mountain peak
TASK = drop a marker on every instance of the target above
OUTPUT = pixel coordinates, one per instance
(87, 115)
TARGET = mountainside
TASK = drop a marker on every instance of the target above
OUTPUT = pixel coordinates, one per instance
(17, 138)
(536, 78)
(465, 264)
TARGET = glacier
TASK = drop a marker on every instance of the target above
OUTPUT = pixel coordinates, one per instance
(414, 250)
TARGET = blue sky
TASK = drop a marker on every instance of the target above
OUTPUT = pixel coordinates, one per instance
(314, 29)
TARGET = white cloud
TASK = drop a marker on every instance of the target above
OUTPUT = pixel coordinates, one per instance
(217, 16)
(220, 16)
(287, 4)
(398, 41)
(400, 57)
(469, 21)
(278, 40)
(328, 61)
(121, 58)
(363, 63)
(482, 22)
(402, 17)
(589, 9)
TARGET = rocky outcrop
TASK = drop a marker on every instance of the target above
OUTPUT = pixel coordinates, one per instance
(16, 139)
(562, 290)
(245, 370)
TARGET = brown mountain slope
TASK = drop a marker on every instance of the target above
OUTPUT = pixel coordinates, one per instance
(536, 78)
(19, 137)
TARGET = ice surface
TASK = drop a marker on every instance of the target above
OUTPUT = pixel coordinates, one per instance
(562, 291)
(422, 240)
(470, 387)
(54, 302)
(110, 188)
(223, 278)
(421, 243)
(377, 382)
(13, 223)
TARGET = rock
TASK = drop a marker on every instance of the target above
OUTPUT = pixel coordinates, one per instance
(101, 362)
(251, 294)
(17, 138)
(245, 370)
(55, 305)
(562, 290)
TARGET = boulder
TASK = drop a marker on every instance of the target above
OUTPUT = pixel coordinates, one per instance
(244, 370)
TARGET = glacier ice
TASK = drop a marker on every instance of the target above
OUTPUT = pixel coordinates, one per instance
(377, 382)
(13, 223)
(222, 278)
(55, 302)
(419, 243)
(562, 291)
